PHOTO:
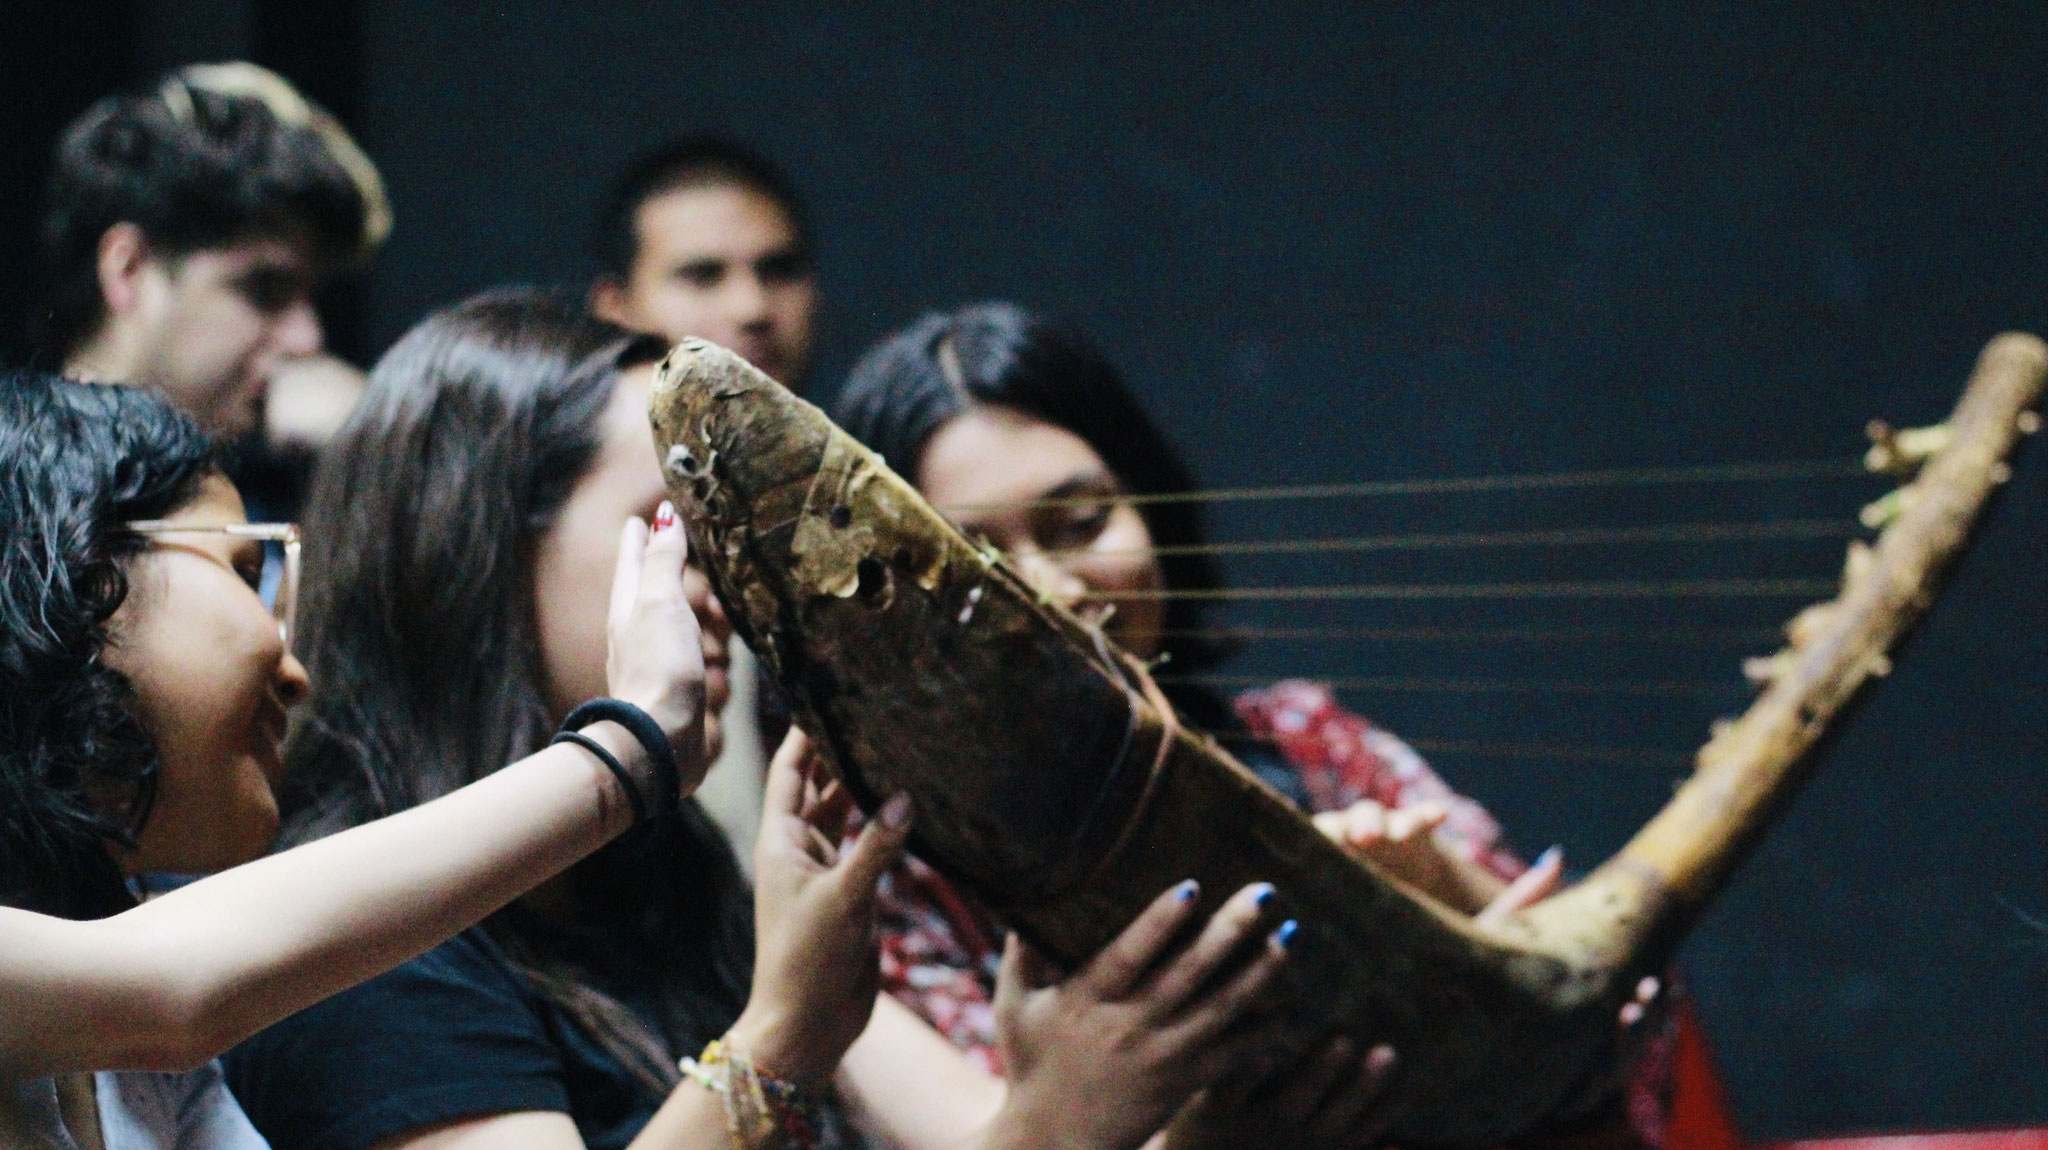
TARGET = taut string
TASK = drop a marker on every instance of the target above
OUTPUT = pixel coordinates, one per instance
(1392, 684)
(1578, 589)
(1559, 537)
(1611, 477)
(1674, 636)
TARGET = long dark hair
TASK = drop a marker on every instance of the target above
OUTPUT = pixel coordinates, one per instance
(419, 633)
(77, 770)
(930, 373)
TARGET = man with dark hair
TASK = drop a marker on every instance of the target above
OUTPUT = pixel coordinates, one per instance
(187, 228)
(705, 237)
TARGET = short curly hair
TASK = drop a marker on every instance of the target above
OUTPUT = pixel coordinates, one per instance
(77, 769)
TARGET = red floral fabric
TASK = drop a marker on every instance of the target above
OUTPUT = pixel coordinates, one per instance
(1343, 758)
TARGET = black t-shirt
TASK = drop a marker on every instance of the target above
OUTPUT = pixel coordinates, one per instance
(453, 1034)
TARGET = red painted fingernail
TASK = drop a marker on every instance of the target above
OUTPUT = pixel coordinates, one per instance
(664, 516)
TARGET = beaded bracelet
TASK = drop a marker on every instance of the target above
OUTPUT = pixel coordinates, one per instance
(761, 1110)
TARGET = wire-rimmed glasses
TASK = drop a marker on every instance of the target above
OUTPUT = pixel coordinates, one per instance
(284, 600)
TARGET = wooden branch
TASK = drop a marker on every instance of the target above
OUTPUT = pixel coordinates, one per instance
(1050, 785)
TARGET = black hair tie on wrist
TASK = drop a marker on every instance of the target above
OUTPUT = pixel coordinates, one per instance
(612, 764)
(668, 776)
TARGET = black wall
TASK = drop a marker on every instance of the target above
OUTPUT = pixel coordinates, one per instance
(1341, 242)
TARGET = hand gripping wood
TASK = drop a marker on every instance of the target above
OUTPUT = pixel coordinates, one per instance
(1049, 782)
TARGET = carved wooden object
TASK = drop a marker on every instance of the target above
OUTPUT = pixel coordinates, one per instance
(1050, 784)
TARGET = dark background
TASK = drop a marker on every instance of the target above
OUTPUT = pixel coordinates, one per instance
(1337, 243)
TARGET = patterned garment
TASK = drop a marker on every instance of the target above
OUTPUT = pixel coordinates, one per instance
(1341, 758)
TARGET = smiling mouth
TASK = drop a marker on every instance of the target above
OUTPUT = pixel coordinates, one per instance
(271, 724)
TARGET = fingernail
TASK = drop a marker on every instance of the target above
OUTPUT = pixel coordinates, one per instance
(1380, 1060)
(1188, 890)
(896, 812)
(1285, 935)
(665, 516)
(1550, 857)
(1631, 1013)
(1264, 897)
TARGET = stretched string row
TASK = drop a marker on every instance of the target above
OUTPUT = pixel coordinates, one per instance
(1579, 589)
(1668, 636)
(1611, 477)
(1480, 748)
(1395, 684)
(1560, 537)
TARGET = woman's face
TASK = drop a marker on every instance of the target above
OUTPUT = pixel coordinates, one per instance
(572, 577)
(213, 683)
(1089, 552)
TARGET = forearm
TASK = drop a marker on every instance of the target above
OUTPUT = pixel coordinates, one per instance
(693, 1117)
(177, 980)
(916, 1088)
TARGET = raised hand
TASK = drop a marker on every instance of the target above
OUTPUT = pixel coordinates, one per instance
(1104, 1057)
(656, 657)
(817, 966)
(1320, 1100)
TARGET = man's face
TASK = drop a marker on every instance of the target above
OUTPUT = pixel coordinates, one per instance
(723, 263)
(212, 325)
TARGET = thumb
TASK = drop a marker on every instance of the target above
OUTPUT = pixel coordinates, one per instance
(661, 569)
(626, 576)
(1534, 885)
(876, 850)
(1020, 972)
(1023, 966)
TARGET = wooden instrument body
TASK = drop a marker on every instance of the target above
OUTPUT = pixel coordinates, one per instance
(921, 664)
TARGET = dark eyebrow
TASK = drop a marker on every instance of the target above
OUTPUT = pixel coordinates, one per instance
(788, 257)
(1081, 485)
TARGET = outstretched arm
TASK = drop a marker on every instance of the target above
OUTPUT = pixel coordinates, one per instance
(177, 980)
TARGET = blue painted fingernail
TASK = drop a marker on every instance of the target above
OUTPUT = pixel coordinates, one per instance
(1285, 935)
(1187, 890)
(1264, 896)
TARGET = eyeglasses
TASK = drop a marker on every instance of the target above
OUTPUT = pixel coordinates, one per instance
(284, 597)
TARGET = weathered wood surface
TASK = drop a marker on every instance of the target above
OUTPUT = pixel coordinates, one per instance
(920, 663)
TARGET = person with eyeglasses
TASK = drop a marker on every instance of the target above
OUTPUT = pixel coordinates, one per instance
(144, 688)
